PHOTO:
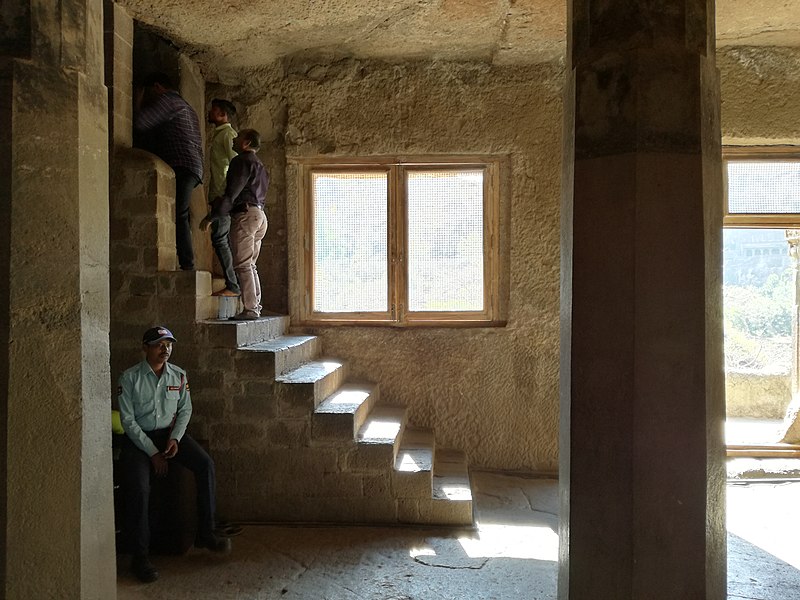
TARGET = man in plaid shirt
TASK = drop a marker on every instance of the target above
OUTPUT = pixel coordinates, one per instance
(175, 131)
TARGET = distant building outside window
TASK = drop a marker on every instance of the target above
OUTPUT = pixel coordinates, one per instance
(762, 210)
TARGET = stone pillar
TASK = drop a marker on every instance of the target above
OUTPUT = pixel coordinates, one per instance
(641, 475)
(790, 432)
(118, 38)
(57, 495)
(193, 89)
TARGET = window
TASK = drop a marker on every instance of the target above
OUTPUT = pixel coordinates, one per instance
(763, 187)
(761, 216)
(402, 243)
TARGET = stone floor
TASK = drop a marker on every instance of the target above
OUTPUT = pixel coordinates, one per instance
(763, 535)
(511, 556)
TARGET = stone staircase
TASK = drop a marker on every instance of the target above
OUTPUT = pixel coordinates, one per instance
(295, 440)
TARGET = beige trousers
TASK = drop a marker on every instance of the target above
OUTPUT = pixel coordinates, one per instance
(247, 230)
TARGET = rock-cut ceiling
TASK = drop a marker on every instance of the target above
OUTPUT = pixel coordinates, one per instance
(241, 34)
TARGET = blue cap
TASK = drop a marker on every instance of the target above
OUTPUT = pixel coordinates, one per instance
(156, 334)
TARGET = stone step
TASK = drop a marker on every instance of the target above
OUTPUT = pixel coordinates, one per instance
(184, 297)
(302, 389)
(206, 307)
(184, 283)
(341, 415)
(378, 439)
(282, 354)
(452, 493)
(217, 283)
(413, 467)
(238, 334)
(227, 307)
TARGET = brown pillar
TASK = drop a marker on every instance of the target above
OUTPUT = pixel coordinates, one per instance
(642, 478)
(57, 495)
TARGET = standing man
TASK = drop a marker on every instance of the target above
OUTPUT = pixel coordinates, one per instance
(222, 111)
(245, 193)
(177, 142)
(155, 408)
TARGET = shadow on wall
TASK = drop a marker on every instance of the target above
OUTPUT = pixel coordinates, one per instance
(152, 53)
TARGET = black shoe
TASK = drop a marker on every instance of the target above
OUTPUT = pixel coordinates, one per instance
(228, 530)
(143, 569)
(245, 315)
(220, 545)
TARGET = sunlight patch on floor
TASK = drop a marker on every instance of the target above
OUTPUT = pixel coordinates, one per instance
(504, 541)
(512, 541)
(377, 429)
(349, 397)
(775, 531)
(421, 551)
(408, 463)
(454, 491)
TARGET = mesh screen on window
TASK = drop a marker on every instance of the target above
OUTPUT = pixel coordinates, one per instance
(763, 187)
(445, 240)
(350, 242)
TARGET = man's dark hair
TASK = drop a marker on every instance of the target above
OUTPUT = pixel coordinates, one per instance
(225, 106)
(158, 78)
(252, 136)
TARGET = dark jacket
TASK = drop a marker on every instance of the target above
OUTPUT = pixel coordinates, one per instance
(245, 185)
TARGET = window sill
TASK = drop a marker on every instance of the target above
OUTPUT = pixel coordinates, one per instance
(442, 324)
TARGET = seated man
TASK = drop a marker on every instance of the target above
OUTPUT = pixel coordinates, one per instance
(155, 408)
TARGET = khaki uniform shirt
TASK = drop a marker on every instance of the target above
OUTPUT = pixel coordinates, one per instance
(148, 402)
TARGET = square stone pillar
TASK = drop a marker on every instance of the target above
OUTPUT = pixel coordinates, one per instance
(118, 51)
(56, 504)
(642, 471)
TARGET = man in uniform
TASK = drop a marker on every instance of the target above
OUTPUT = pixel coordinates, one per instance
(155, 408)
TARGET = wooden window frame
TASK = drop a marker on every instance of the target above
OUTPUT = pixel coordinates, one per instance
(757, 153)
(397, 228)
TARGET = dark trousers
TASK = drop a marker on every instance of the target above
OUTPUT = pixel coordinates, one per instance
(137, 471)
(220, 230)
(185, 182)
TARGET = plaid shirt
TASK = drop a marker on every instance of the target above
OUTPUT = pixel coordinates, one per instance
(176, 129)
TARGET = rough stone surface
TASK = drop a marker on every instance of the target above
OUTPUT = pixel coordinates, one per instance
(760, 95)
(481, 389)
(756, 394)
(497, 31)
(469, 390)
(790, 433)
(758, 109)
(56, 449)
(272, 462)
(511, 554)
